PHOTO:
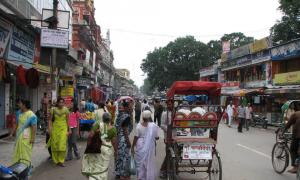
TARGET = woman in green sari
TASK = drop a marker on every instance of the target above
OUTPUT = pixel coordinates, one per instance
(25, 136)
(58, 128)
(95, 165)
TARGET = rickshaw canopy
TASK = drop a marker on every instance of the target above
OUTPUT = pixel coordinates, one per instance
(287, 104)
(194, 88)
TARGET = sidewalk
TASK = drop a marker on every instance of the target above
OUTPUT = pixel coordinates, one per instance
(39, 154)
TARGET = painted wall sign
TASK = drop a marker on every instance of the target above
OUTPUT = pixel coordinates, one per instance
(21, 48)
(286, 51)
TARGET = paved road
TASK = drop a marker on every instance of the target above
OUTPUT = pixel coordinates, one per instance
(245, 156)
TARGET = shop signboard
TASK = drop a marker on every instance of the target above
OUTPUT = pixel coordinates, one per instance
(286, 51)
(83, 82)
(261, 56)
(260, 45)
(5, 33)
(255, 84)
(289, 78)
(239, 52)
(21, 48)
(212, 70)
(55, 38)
(67, 91)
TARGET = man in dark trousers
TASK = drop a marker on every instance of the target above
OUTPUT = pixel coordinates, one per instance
(138, 109)
(241, 116)
(158, 110)
(295, 122)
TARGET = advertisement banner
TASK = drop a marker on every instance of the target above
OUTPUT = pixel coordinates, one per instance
(226, 46)
(67, 91)
(5, 33)
(37, 50)
(286, 51)
(260, 45)
(21, 48)
(287, 78)
(239, 52)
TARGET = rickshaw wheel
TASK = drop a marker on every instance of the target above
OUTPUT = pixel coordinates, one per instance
(280, 157)
(215, 168)
(172, 168)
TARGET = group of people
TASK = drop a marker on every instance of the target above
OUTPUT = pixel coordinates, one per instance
(244, 115)
(107, 139)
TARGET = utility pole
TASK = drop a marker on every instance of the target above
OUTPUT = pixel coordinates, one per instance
(53, 25)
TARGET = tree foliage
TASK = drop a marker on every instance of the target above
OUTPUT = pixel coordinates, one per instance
(179, 60)
(288, 27)
(147, 88)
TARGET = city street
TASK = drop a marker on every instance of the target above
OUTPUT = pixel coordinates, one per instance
(245, 156)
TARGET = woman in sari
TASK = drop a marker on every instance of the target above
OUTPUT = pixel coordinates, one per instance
(123, 143)
(25, 135)
(95, 165)
(58, 128)
(145, 141)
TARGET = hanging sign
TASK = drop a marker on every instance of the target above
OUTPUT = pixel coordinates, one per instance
(5, 33)
(55, 38)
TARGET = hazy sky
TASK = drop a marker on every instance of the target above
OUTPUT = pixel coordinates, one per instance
(138, 26)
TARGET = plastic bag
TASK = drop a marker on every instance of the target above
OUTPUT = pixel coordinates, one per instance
(132, 166)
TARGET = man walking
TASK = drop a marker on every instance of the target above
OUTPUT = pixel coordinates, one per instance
(158, 109)
(241, 116)
(229, 111)
(248, 116)
(138, 109)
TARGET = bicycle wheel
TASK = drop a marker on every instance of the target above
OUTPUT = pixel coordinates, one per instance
(280, 157)
(215, 169)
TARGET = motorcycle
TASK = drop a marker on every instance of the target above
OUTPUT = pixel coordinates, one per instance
(258, 120)
(18, 171)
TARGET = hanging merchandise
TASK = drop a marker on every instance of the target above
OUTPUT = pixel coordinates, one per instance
(21, 75)
(32, 78)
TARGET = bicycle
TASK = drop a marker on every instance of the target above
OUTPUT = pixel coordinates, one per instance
(281, 153)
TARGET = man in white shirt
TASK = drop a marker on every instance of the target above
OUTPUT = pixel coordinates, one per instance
(229, 111)
(165, 122)
(248, 115)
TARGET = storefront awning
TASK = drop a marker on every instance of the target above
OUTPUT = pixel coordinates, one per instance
(240, 92)
(282, 90)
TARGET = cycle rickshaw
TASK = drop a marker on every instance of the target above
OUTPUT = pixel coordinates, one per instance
(195, 150)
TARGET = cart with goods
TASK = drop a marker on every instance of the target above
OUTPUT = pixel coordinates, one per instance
(193, 130)
(86, 121)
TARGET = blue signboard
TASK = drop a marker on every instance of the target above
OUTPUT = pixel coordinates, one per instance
(21, 48)
(286, 51)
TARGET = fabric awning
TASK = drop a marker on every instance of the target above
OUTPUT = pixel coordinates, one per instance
(282, 90)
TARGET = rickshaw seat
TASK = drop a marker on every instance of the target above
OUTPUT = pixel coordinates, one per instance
(180, 116)
(193, 139)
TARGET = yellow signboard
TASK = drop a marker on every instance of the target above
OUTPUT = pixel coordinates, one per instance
(67, 91)
(259, 45)
(42, 68)
(287, 78)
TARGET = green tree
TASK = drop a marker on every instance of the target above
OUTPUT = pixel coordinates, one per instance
(147, 87)
(288, 27)
(179, 60)
(237, 39)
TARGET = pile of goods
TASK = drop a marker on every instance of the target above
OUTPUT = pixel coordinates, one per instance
(87, 116)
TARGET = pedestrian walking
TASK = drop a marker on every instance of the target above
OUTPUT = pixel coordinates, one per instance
(73, 133)
(158, 109)
(123, 143)
(229, 111)
(99, 112)
(90, 106)
(143, 147)
(58, 128)
(138, 111)
(248, 116)
(95, 165)
(241, 116)
(25, 133)
(166, 121)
